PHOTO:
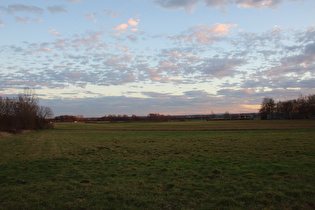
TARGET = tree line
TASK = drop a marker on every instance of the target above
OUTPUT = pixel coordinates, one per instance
(300, 108)
(23, 113)
(154, 117)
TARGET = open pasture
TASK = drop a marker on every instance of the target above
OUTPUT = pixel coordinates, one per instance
(195, 125)
(175, 165)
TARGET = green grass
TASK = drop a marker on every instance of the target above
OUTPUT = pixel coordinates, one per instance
(196, 125)
(183, 165)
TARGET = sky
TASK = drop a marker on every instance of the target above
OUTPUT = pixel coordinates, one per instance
(101, 57)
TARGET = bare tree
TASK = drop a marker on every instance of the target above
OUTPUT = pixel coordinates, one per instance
(300, 108)
(267, 108)
(227, 115)
(23, 113)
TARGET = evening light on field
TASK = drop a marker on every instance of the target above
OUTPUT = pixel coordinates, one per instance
(167, 165)
(96, 58)
(157, 104)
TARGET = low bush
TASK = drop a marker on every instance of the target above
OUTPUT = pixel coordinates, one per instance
(23, 113)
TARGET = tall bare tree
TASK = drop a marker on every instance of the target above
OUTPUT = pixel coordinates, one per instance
(267, 108)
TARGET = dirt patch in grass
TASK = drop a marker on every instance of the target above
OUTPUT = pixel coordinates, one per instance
(4, 134)
(26, 131)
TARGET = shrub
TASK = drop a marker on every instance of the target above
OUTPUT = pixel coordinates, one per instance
(23, 113)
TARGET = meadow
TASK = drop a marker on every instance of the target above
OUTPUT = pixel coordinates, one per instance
(170, 165)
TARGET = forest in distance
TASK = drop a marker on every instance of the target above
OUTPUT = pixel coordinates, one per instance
(300, 108)
(25, 113)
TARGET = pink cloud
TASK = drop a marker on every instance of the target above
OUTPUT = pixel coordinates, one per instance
(27, 20)
(52, 31)
(121, 27)
(208, 34)
(222, 29)
(257, 4)
(22, 20)
(133, 22)
(46, 49)
(204, 34)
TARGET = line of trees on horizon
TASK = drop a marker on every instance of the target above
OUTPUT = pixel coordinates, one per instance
(300, 108)
(113, 118)
(23, 113)
(155, 117)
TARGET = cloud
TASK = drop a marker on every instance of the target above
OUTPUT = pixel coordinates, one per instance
(220, 67)
(153, 94)
(73, 1)
(258, 4)
(132, 37)
(249, 99)
(21, 8)
(154, 102)
(46, 49)
(27, 20)
(57, 9)
(239, 92)
(253, 107)
(87, 59)
(133, 22)
(87, 40)
(1, 24)
(91, 17)
(292, 70)
(111, 13)
(54, 32)
(222, 29)
(198, 95)
(217, 3)
(121, 27)
(307, 83)
(293, 66)
(204, 34)
(306, 57)
(188, 5)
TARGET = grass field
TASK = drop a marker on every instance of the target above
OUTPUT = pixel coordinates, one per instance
(175, 165)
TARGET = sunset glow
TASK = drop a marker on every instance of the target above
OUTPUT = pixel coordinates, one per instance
(94, 58)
